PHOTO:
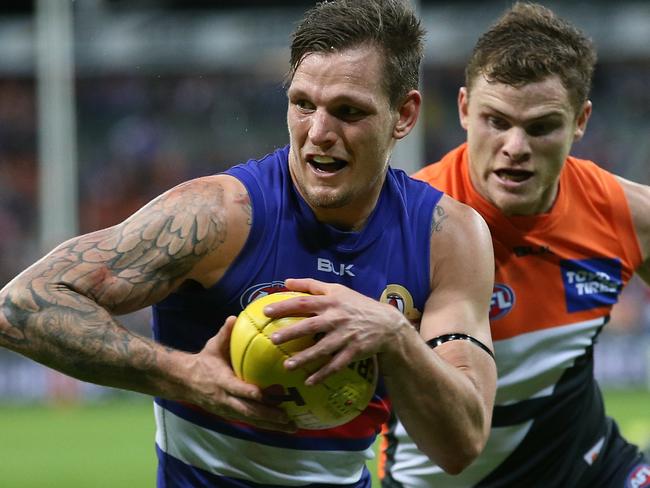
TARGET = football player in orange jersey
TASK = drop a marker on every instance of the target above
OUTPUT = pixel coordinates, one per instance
(567, 237)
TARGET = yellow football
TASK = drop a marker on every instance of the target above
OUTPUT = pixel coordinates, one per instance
(255, 359)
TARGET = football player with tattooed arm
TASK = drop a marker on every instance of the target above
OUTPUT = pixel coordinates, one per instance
(567, 236)
(200, 251)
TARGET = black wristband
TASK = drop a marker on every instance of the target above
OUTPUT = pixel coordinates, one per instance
(436, 341)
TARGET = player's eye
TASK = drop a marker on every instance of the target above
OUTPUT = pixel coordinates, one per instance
(348, 112)
(498, 123)
(541, 128)
(304, 105)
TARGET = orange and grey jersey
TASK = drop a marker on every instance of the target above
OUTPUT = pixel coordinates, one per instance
(558, 275)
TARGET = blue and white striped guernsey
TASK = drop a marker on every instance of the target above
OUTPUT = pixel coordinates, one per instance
(387, 260)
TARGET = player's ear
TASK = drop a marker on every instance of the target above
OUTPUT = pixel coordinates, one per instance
(408, 113)
(463, 102)
(581, 121)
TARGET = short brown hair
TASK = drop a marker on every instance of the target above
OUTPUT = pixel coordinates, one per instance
(529, 43)
(391, 25)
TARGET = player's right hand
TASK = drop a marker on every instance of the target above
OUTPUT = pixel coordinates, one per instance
(218, 390)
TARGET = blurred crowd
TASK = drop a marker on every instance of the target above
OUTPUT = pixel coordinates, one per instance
(140, 135)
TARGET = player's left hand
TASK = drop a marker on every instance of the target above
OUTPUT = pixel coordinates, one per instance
(352, 326)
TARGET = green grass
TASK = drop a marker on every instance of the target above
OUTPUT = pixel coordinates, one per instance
(112, 444)
(631, 409)
(89, 446)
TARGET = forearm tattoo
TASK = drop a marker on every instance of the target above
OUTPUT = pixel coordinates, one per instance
(439, 216)
(59, 310)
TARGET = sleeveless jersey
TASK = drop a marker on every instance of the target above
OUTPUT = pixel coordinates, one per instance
(383, 261)
(558, 275)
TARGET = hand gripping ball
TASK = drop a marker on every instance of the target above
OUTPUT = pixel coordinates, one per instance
(255, 359)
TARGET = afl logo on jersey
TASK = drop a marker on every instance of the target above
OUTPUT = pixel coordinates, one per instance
(261, 290)
(503, 299)
(639, 477)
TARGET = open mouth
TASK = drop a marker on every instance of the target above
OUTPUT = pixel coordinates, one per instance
(514, 175)
(326, 164)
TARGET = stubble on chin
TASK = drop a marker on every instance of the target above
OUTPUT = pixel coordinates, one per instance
(325, 200)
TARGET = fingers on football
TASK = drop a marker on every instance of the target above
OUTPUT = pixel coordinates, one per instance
(238, 388)
(339, 362)
(262, 416)
(309, 326)
(302, 306)
(306, 285)
(220, 342)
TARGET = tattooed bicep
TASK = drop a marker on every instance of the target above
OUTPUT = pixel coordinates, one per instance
(141, 260)
(244, 202)
(437, 219)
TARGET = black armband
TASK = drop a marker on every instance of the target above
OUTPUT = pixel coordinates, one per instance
(436, 341)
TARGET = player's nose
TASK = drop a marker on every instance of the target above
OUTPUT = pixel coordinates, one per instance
(516, 145)
(322, 129)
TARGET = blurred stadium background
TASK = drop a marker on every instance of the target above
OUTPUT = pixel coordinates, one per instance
(165, 90)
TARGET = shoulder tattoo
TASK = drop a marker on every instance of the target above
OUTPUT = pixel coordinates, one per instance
(244, 202)
(438, 217)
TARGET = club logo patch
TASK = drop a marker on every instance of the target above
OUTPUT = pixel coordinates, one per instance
(260, 290)
(400, 298)
(503, 299)
(591, 283)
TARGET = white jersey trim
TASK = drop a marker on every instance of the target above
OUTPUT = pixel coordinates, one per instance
(529, 367)
(414, 470)
(228, 456)
(531, 364)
